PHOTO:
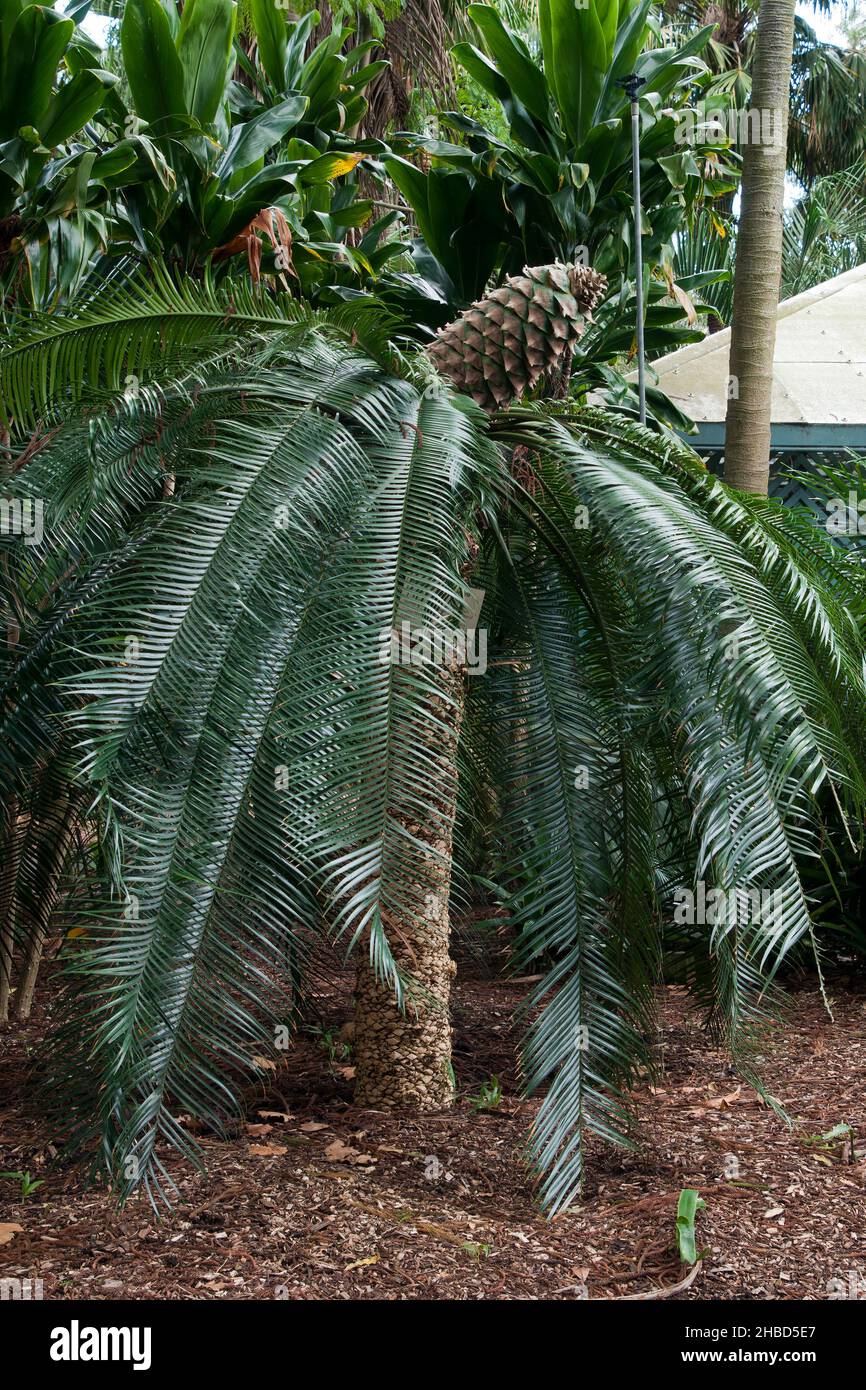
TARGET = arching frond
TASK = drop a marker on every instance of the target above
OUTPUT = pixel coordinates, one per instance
(258, 759)
(153, 327)
(737, 672)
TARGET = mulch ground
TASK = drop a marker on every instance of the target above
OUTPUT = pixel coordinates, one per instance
(320, 1200)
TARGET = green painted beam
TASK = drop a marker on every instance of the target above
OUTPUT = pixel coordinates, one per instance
(821, 438)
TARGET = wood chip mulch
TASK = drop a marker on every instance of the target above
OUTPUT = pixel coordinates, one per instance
(319, 1200)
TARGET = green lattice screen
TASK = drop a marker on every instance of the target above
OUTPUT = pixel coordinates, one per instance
(782, 463)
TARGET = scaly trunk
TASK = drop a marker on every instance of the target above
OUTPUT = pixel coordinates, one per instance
(11, 844)
(496, 351)
(759, 254)
(10, 841)
(63, 814)
(403, 1057)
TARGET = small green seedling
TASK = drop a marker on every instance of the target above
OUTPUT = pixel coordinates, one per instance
(690, 1203)
(332, 1043)
(477, 1252)
(489, 1097)
(28, 1184)
(824, 1141)
(838, 1141)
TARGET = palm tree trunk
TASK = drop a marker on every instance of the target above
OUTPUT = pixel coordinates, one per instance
(759, 254)
(403, 1056)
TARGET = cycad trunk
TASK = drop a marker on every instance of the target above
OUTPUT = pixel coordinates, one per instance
(10, 843)
(403, 1056)
(60, 819)
(759, 254)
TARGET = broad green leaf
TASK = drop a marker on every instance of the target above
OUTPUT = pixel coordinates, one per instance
(479, 66)
(364, 76)
(74, 103)
(269, 24)
(9, 12)
(115, 161)
(680, 167)
(297, 46)
(37, 44)
(630, 39)
(575, 61)
(153, 68)
(204, 47)
(663, 68)
(321, 80)
(608, 16)
(251, 140)
(414, 187)
(355, 215)
(524, 78)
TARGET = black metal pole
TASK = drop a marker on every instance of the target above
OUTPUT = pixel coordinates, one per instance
(631, 86)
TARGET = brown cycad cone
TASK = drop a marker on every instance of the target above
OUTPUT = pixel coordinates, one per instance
(497, 350)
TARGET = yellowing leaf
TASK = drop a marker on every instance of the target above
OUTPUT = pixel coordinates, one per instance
(684, 302)
(345, 165)
(359, 1264)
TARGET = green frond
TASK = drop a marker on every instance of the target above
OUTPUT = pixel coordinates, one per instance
(576, 867)
(154, 326)
(749, 670)
(259, 762)
(674, 699)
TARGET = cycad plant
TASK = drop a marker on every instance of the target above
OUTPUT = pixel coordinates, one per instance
(253, 621)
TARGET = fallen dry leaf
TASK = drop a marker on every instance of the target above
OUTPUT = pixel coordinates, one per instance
(338, 1152)
(264, 1063)
(259, 1130)
(719, 1102)
(267, 1150)
(774, 1211)
(8, 1231)
(312, 1125)
(359, 1264)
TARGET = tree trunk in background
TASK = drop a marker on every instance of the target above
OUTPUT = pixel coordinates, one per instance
(759, 254)
(403, 1057)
